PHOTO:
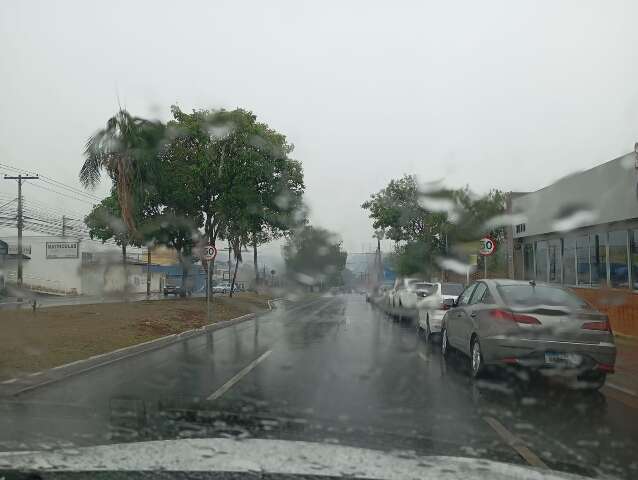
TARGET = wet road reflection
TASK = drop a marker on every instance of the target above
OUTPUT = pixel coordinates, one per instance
(338, 371)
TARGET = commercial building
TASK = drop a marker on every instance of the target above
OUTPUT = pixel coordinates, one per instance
(582, 232)
(64, 265)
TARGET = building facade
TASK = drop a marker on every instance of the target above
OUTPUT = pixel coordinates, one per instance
(582, 232)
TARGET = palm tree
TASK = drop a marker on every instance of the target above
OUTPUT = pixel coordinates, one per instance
(126, 150)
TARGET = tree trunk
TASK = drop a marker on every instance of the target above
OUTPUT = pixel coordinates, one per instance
(255, 260)
(124, 270)
(124, 196)
(232, 285)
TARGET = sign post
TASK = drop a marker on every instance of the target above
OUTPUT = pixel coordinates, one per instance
(487, 247)
(209, 254)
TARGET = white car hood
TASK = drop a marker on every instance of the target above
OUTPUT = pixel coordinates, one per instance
(269, 456)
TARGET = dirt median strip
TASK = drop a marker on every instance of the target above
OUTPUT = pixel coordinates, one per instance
(16, 386)
(33, 342)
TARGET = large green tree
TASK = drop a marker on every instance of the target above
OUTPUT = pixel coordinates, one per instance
(429, 222)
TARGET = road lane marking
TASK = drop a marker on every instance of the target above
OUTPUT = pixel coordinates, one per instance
(423, 357)
(515, 442)
(621, 389)
(242, 373)
(12, 380)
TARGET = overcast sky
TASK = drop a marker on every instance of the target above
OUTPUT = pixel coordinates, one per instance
(490, 94)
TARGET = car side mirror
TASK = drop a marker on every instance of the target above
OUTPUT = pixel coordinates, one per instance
(449, 302)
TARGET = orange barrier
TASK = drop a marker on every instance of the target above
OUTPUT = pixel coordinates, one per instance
(621, 306)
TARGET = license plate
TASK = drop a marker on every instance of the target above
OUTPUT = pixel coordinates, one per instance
(557, 358)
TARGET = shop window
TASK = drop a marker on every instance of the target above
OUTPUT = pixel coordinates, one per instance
(528, 261)
(541, 261)
(582, 261)
(618, 264)
(598, 258)
(553, 251)
(569, 261)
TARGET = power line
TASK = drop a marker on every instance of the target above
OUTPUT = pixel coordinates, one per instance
(62, 194)
(55, 182)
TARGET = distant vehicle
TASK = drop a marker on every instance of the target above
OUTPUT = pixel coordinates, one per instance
(541, 327)
(402, 291)
(434, 299)
(222, 288)
(172, 288)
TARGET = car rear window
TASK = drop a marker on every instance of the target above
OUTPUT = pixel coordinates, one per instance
(530, 295)
(452, 289)
(428, 287)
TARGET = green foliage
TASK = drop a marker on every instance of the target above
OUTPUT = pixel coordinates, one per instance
(105, 223)
(429, 223)
(314, 256)
(127, 150)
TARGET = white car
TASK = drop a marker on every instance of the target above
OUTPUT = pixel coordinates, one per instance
(221, 288)
(396, 296)
(434, 300)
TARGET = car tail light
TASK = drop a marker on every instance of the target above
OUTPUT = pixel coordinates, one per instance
(514, 317)
(443, 306)
(603, 326)
(604, 367)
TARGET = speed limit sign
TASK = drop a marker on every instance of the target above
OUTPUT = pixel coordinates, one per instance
(210, 252)
(487, 246)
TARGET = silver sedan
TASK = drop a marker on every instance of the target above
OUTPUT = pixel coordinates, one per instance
(537, 326)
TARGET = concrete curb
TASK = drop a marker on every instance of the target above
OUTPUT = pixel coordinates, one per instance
(16, 386)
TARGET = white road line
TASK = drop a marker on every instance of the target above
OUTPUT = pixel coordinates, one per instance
(9, 381)
(621, 389)
(514, 442)
(423, 357)
(242, 373)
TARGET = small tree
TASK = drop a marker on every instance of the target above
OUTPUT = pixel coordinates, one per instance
(314, 256)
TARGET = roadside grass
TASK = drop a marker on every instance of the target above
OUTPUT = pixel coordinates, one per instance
(34, 341)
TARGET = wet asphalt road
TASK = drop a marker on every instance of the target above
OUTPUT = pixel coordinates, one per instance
(328, 370)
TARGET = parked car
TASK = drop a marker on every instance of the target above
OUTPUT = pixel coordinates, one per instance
(394, 296)
(541, 327)
(221, 288)
(174, 289)
(434, 299)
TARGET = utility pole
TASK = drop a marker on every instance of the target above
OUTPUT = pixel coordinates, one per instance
(20, 178)
(148, 272)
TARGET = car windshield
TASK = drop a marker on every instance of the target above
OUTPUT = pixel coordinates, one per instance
(231, 231)
(532, 295)
(452, 289)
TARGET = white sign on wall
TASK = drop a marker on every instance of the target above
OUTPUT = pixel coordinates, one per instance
(13, 249)
(63, 249)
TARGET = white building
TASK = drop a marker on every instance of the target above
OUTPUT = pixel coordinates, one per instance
(73, 266)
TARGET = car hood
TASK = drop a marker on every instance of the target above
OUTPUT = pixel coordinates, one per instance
(268, 456)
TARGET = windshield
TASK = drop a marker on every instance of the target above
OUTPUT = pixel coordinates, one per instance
(405, 227)
(528, 295)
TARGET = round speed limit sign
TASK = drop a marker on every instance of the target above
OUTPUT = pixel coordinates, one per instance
(487, 246)
(210, 252)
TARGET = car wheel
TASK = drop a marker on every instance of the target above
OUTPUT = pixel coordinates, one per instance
(476, 358)
(445, 344)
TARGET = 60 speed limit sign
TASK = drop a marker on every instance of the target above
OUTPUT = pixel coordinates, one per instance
(210, 252)
(487, 247)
